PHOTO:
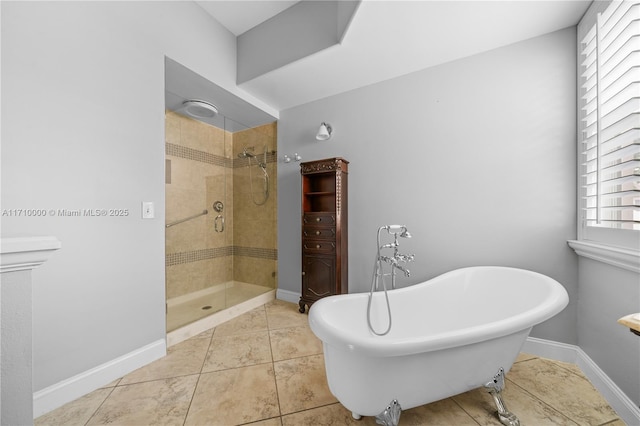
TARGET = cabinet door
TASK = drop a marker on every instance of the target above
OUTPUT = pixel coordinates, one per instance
(319, 276)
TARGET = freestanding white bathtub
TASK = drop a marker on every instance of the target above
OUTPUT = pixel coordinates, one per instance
(449, 335)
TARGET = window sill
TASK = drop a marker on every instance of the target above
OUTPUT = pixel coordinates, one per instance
(620, 257)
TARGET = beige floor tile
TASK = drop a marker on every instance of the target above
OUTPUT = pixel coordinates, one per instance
(294, 342)
(560, 388)
(444, 412)
(571, 367)
(205, 334)
(282, 314)
(77, 412)
(112, 384)
(254, 320)
(161, 402)
(522, 356)
(235, 396)
(182, 359)
(302, 384)
(479, 404)
(240, 350)
(617, 422)
(328, 415)
(269, 422)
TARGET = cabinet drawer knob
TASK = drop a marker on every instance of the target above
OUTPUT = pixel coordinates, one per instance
(318, 232)
(318, 219)
(318, 246)
(303, 273)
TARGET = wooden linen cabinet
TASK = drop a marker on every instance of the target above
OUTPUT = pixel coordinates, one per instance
(324, 229)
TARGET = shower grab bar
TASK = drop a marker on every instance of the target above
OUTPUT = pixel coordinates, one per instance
(204, 212)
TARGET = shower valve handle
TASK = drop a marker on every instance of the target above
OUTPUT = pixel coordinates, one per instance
(219, 219)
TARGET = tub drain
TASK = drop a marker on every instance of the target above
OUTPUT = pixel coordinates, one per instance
(204, 308)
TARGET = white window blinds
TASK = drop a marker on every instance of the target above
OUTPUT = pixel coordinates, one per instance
(610, 163)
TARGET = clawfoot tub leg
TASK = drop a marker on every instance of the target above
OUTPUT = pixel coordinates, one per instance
(391, 415)
(495, 388)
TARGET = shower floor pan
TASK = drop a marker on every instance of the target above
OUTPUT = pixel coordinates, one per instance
(193, 313)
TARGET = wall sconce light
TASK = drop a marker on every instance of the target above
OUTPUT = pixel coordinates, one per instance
(288, 159)
(324, 132)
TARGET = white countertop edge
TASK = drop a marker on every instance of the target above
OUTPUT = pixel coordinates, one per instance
(616, 256)
(21, 253)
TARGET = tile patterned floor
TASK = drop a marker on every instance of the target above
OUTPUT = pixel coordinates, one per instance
(266, 368)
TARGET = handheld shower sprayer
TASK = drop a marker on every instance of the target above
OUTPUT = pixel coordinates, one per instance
(397, 261)
(262, 165)
(397, 230)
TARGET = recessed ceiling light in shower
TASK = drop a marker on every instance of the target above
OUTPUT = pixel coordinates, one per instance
(199, 109)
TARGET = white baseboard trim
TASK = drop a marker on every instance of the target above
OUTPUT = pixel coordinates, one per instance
(618, 400)
(549, 349)
(288, 296)
(57, 395)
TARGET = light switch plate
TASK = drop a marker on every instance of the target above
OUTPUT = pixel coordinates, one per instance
(148, 211)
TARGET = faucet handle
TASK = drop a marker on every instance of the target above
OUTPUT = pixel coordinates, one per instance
(405, 257)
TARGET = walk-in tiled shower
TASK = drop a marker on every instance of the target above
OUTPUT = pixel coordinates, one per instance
(223, 257)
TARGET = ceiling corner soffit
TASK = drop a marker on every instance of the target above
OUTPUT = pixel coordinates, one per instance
(299, 31)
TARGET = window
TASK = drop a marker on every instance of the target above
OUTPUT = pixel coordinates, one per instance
(609, 124)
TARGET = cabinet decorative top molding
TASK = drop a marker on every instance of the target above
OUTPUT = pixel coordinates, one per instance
(328, 165)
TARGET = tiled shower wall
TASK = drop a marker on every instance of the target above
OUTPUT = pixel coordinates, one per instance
(203, 167)
(255, 226)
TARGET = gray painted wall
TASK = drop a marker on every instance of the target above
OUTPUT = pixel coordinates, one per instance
(83, 128)
(608, 293)
(476, 157)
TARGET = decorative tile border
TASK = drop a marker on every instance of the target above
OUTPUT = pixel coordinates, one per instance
(172, 259)
(197, 155)
(217, 160)
(196, 255)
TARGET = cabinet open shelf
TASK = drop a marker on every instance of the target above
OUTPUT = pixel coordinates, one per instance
(315, 194)
(325, 203)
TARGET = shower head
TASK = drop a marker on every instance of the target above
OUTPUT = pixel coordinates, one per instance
(246, 154)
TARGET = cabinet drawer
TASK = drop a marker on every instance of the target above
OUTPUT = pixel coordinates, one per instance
(323, 219)
(319, 233)
(318, 246)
